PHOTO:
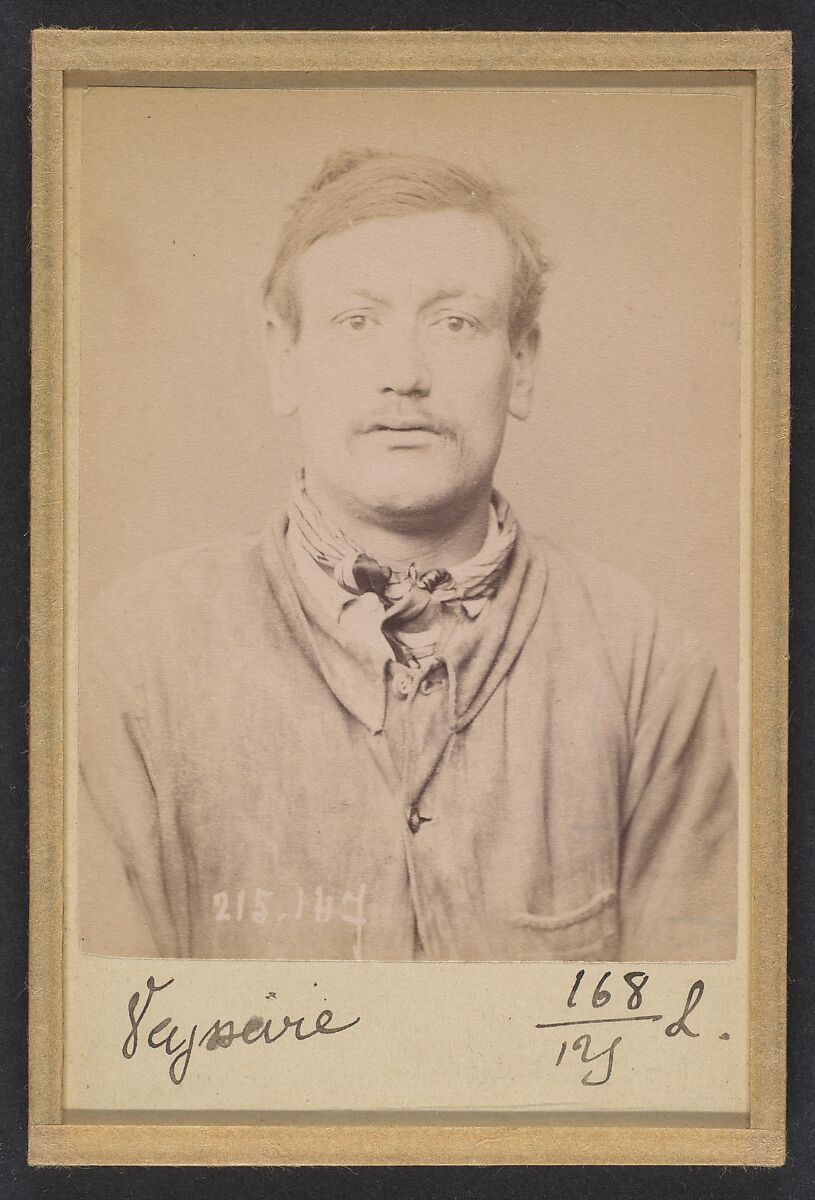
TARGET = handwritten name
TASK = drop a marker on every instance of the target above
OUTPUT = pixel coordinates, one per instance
(220, 1035)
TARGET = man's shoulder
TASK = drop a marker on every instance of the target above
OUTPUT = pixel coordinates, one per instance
(184, 588)
(576, 577)
(627, 614)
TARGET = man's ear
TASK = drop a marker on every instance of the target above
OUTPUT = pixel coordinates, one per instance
(279, 352)
(525, 358)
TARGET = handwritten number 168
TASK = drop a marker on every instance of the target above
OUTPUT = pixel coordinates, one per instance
(636, 981)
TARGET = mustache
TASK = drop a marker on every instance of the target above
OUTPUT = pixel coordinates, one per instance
(416, 420)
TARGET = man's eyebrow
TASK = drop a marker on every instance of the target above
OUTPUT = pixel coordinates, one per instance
(370, 296)
(457, 294)
(436, 298)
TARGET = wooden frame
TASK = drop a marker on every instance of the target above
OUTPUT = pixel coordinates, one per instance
(99, 56)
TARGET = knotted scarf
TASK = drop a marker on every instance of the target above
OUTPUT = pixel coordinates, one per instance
(405, 594)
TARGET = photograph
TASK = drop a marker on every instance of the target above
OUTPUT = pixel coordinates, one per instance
(394, 721)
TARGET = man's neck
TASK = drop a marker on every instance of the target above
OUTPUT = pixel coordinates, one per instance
(444, 541)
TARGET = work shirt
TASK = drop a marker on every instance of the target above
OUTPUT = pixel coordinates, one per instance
(261, 780)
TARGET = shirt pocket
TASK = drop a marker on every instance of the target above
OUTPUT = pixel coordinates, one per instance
(566, 910)
(579, 928)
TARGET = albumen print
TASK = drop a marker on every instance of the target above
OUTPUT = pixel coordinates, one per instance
(409, 582)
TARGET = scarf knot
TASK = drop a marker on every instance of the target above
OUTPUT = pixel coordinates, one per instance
(407, 593)
(368, 575)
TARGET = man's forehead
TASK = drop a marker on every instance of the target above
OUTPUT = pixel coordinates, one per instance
(450, 252)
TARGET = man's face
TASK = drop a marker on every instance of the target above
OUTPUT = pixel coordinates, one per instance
(403, 371)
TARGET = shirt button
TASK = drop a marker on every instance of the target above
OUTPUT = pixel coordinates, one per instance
(415, 822)
(403, 688)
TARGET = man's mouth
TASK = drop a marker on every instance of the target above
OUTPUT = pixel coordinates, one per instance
(401, 425)
(403, 431)
(403, 435)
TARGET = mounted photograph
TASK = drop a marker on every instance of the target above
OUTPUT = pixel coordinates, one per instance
(421, 581)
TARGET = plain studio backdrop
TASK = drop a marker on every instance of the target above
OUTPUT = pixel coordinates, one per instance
(632, 453)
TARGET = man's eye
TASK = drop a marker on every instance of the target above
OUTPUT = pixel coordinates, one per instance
(356, 321)
(452, 323)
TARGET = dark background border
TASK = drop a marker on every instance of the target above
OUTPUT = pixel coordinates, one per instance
(797, 1177)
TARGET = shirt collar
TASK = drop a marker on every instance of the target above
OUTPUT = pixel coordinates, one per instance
(477, 654)
(336, 601)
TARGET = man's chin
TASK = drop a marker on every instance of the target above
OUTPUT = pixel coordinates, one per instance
(409, 482)
(412, 507)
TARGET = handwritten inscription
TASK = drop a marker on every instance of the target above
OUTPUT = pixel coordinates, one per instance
(633, 988)
(583, 1044)
(262, 905)
(220, 1035)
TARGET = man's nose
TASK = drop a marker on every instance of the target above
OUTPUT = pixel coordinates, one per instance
(404, 370)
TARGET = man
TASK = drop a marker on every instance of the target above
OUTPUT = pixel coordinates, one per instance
(389, 727)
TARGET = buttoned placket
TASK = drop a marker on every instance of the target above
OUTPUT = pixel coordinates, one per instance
(419, 731)
(422, 740)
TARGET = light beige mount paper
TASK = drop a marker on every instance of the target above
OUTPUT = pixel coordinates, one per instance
(661, 162)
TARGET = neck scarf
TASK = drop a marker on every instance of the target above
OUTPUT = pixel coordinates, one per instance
(405, 594)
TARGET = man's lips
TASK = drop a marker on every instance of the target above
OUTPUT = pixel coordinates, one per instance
(405, 430)
(404, 423)
(403, 437)
(400, 426)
